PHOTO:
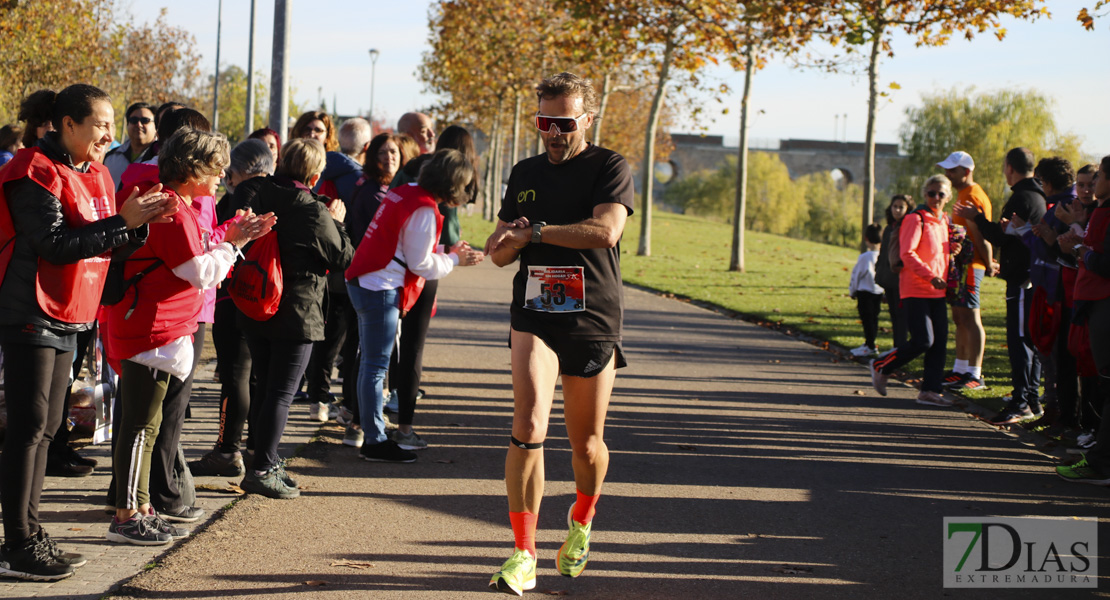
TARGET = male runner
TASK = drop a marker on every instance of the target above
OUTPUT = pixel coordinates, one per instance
(563, 216)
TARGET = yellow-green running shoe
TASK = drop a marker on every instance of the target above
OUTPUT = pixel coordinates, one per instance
(516, 575)
(575, 552)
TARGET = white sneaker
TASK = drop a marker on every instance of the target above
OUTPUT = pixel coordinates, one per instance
(318, 411)
(864, 350)
(353, 437)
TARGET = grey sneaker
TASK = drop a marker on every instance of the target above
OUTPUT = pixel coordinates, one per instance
(161, 525)
(285, 478)
(409, 441)
(933, 399)
(352, 437)
(218, 463)
(878, 380)
(137, 530)
(269, 484)
(185, 514)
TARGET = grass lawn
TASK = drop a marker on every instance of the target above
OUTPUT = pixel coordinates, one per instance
(793, 284)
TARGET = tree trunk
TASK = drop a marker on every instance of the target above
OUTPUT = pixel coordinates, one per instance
(869, 150)
(606, 89)
(514, 157)
(648, 170)
(736, 261)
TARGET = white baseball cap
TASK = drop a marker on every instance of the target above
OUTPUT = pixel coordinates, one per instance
(958, 158)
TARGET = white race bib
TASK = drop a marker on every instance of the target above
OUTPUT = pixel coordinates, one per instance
(555, 289)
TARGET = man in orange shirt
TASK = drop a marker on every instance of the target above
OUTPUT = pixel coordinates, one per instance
(967, 373)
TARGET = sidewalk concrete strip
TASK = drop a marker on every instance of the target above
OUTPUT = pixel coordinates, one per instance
(743, 463)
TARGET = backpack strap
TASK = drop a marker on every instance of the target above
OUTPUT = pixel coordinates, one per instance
(135, 279)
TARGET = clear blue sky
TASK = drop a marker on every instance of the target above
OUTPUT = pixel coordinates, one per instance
(330, 43)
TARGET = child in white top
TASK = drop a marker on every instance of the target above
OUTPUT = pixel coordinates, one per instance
(867, 293)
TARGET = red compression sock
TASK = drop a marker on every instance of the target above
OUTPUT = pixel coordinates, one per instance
(524, 530)
(584, 507)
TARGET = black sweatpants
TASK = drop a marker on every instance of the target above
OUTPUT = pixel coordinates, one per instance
(410, 364)
(165, 494)
(869, 306)
(34, 392)
(928, 324)
(325, 351)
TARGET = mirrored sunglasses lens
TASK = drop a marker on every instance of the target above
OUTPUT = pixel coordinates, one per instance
(562, 124)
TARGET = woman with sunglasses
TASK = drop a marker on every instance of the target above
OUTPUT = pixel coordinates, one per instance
(141, 133)
(924, 242)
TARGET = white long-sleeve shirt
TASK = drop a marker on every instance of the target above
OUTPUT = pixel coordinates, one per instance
(416, 247)
(202, 272)
(863, 274)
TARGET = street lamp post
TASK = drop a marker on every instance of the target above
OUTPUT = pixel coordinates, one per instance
(373, 67)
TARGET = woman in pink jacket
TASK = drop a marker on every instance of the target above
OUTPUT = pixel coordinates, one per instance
(923, 239)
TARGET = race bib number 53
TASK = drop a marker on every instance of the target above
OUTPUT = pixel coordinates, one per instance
(555, 289)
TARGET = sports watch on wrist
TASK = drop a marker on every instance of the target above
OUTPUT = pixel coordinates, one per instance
(537, 233)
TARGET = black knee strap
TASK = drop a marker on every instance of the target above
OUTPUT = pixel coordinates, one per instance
(524, 446)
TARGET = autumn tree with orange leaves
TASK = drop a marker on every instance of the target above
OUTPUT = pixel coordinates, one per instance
(55, 43)
(869, 26)
(668, 38)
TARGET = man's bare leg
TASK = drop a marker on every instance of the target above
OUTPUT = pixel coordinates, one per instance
(585, 404)
(535, 369)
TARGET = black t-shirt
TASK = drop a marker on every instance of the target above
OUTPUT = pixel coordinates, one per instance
(561, 195)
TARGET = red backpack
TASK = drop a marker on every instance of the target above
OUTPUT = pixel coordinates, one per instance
(257, 282)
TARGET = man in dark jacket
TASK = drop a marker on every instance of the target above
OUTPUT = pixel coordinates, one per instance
(1028, 203)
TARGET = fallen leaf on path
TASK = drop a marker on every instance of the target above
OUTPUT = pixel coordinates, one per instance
(445, 462)
(352, 564)
(556, 592)
(860, 393)
(455, 425)
(791, 570)
(687, 447)
(234, 488)
(76, 528)
(315, 582)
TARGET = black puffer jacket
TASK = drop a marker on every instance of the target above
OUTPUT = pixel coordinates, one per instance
(311, 243)
(1027, 202)
(41, 232)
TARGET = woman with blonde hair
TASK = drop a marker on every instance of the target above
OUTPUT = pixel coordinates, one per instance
(924, 242)
(311, 241)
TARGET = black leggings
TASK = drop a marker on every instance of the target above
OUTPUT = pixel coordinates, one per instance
(410, 360)
(278, 367)
(234, 358)
(35, 388)
(350, 361)
(60, 444)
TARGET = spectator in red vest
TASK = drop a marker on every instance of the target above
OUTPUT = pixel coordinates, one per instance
(57, 227)
(150, 332)
(399, 252)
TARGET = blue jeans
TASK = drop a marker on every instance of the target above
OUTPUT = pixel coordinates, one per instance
(378, 313)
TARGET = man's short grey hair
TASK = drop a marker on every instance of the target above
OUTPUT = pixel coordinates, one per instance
(354, 134)
(251, 157)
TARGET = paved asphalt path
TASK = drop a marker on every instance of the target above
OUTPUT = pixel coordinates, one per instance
(735, 452)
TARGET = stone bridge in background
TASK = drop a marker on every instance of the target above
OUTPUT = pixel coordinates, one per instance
(844, 160)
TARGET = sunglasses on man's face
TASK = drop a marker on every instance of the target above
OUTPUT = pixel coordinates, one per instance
(936, 194)
(137, 120)
(561, 124)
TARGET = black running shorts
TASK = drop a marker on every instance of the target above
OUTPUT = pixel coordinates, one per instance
(577, 358)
